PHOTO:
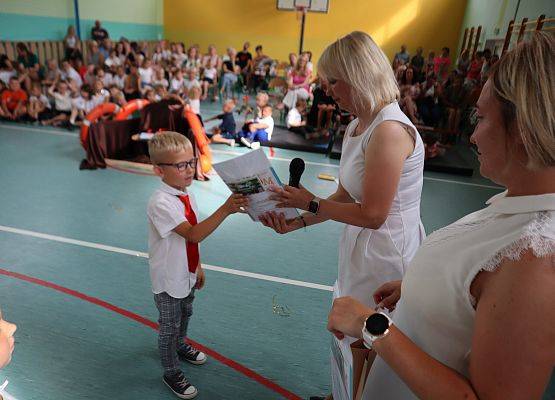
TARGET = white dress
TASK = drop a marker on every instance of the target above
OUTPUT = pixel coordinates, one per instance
(370, 257)
(436, 309)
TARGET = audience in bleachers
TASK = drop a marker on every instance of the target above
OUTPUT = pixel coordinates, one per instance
(62, 92)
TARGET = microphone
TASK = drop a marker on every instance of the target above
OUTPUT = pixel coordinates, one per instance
(296, 169)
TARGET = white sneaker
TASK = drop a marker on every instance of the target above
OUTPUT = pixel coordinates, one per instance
(255, 145)
(246, 142)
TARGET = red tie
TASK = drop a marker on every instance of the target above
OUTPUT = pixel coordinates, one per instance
(192, 248)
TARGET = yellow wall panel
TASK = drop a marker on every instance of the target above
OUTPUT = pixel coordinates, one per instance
(428, 23)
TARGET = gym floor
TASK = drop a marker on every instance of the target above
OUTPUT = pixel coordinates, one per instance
(74, 277)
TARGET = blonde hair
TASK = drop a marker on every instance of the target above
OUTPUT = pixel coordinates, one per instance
(358, 61)
(524, 83)
(167, 142)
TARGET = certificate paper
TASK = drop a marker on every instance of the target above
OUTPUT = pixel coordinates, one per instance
(251, 174)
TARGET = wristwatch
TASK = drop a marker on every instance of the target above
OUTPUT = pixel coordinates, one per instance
(375, 327)
(314, 205)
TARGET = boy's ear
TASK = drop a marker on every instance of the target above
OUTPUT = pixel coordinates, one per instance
(158, 171)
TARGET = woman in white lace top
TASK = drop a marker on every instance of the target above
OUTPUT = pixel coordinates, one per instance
(476, 317)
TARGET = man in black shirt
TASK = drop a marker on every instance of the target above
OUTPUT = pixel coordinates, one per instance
(417, 63)
(98, 33)
(244, 61)
(244, 57)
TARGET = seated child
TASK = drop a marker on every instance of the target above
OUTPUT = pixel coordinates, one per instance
(194, 99)
(225, 133)
(39, 105)
(260, 130)
(62, 104)
(14, 101)
(119, 78)
(209, 78)
(117, 96)
(99, 93)
(191, 81)
(295, 122)
(261, 100)
(177, 273)
(82, 105)
(176, 83)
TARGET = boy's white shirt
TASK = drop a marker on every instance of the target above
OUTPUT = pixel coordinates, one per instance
(210, 73)
(108, 79)
(294, 118)
(267, 121)
(119, 81)
(74, 75)
(146, 75)
(62, 101)
(195, 105)
(85, 105)
(169, 271)
(191, 83)
(176, 84)
(43, 99)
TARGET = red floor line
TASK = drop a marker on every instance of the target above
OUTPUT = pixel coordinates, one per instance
(151, 324)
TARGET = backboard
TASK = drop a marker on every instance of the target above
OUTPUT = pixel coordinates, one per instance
(321, 6)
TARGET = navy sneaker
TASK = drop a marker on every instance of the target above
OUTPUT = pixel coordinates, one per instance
(192, 355)
(180, 386)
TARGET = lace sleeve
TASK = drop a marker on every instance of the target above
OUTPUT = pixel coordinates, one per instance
(538, 237)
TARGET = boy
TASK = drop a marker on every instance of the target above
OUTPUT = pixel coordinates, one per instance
(260, 130)
(62, 103)
(175, 268)
(14, 101)
(295, 122)
(39, 105)
(225, 133)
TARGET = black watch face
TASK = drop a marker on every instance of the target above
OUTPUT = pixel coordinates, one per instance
(312, 207)
(377, 324)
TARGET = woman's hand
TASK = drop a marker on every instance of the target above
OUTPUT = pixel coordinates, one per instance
(347, 317)
(388, 294)
(278, 223)
(289, 196)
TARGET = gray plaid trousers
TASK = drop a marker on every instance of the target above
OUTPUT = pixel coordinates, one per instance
(174, 320)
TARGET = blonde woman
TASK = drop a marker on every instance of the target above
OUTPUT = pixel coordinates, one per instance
(298, 81)
(380, 175)
(476, 315)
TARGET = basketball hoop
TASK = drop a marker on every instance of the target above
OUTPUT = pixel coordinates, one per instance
(301, 10)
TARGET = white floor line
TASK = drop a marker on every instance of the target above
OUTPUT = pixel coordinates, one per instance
(235, 153)
(135, 253)
(56, 132)
(276, 158)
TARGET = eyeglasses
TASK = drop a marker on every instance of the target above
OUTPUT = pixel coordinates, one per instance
(182, 166)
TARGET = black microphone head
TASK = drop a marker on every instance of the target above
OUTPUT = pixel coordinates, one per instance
(296, 166)
(296, 169)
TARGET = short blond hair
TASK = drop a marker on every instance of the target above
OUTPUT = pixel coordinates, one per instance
(167, 142)
(357, 60)
(524, 83)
